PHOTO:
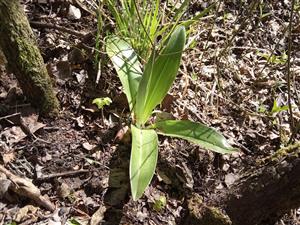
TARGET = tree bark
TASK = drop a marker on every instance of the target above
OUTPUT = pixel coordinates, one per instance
(19, 46)
(260, 196)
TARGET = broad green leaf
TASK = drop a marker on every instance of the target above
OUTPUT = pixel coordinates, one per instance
(197, 133)
(127, 66)
(143, 159)
(160, 72)
(100, 102)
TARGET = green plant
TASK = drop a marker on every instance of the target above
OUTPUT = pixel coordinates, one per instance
(276, 108)
(101, 102)
(281, 59)
(137, 21)
(144, 91)
(142, 22)
(160, 203)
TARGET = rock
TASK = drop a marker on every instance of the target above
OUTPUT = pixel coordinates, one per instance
(74, 13)
(230, 179)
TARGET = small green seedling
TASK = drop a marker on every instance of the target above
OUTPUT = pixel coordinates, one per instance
(145, 90)
(160, 203)
(101, 102)
(274, 59)
(277, 108)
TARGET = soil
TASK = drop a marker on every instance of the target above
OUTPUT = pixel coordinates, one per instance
(228, 80)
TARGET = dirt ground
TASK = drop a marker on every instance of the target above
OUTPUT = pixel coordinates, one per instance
(232, 78)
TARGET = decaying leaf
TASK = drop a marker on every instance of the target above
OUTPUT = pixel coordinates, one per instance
(98, 216)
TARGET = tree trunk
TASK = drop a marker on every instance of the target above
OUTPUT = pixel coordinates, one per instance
(19, 46)
(260, 197)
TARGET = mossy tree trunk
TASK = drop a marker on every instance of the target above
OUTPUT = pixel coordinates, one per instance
(19, 46)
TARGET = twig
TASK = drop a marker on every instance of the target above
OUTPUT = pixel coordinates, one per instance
(210, 32)
(62, 174)
(84, 7)
(25, 187)
(36, 24)
(29, 133)
(218, 57)
(273, 51)
(244, 24)
(239, 145)
(289, 74)
(10, 116)
(100, 35)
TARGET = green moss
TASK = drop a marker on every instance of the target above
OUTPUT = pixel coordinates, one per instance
(215, 216)
(291, 150)
(201, 214)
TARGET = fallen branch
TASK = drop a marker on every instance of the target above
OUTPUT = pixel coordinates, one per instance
(26, 188)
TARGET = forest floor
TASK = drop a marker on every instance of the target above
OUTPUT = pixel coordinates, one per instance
(233, 78)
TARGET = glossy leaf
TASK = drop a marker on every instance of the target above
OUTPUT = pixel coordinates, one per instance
(143, 159)
(197, 133)
(127, 66)
(160, 72)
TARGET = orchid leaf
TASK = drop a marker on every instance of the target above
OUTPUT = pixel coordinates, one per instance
(127, 65)
(197, 133)
(143, 159)
(160, 72)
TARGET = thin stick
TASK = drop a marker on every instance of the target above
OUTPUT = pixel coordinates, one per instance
(63, 174)
(273, 51)
(289, 74)
(36, 24)
(10, 116)
(210, 32)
